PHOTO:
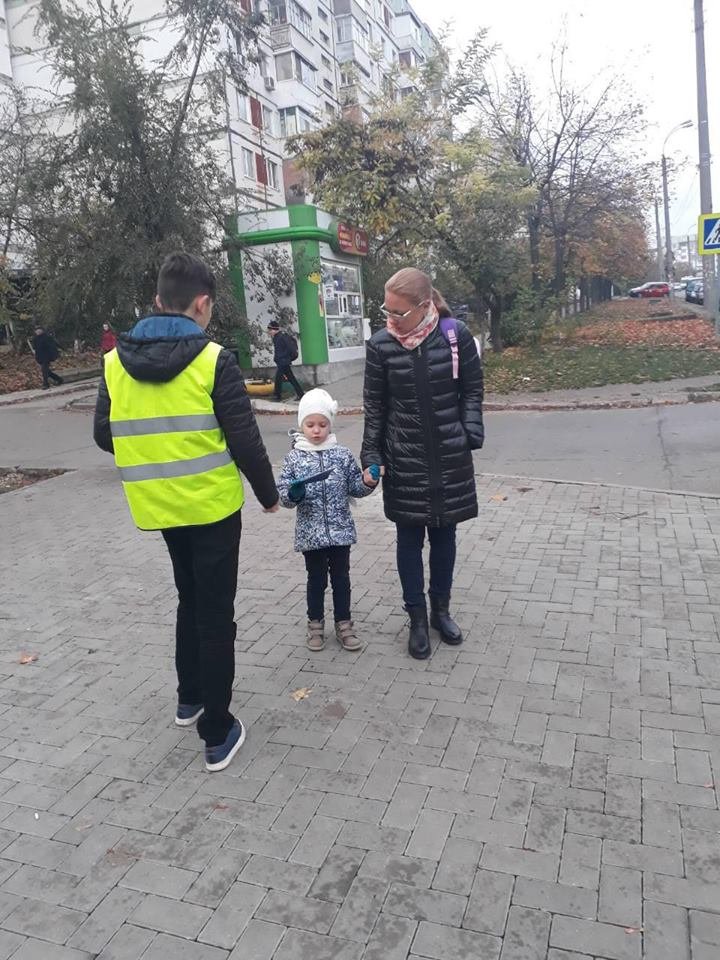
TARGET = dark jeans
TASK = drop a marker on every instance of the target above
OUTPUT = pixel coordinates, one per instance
(205, 564)
(410, 540)
(285, 372)
(47, 373)
(336, 562)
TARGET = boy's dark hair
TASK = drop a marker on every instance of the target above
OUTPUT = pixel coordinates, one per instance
(183, 277)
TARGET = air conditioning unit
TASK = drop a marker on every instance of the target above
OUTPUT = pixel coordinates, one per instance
(269, 83)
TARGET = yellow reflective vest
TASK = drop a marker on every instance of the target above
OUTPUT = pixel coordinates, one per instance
(170, 450)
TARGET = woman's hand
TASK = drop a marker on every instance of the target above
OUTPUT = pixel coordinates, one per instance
(372, 474)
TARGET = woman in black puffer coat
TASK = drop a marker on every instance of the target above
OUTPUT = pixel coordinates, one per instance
(421, 425)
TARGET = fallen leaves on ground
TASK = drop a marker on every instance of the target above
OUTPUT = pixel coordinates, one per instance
(498, 498)
(302, 694)
(27, 658)
(22, 372)
(696, 334)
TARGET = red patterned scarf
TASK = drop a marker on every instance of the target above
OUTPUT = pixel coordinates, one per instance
(419, 333)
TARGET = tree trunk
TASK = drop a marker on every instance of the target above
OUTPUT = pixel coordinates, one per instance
(534, 238)
(495, 304)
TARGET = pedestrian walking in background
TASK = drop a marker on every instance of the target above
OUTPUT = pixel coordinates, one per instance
(46, 352)
(423, 398)
(324, 527)
(173, 408)
(108, 341)
(285, 351)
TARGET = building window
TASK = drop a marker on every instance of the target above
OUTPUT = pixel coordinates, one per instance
(328, 85)
(272, 175)
(289, 11)
(291, 66)
(243, 109)
(387, 16)
(348, 29)
(326, 61)
(406, 60)
(294, 120)
(322, 14)
(248, 163)
(269, 121)
(325, 38)
(348, 75)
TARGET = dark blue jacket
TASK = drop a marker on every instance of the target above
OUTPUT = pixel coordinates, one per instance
(283, 349)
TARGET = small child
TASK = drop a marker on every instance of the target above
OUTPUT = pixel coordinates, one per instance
(324, 529)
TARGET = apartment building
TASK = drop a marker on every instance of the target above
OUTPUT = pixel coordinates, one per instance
(317, 57)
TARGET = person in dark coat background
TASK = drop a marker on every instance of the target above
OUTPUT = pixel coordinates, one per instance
(284, 352)
(421, 426)
(46, 351)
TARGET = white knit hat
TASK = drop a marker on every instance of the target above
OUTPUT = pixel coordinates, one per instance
(317, 401)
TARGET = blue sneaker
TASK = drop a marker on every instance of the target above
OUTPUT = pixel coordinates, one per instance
(217, 758)
(188, 713)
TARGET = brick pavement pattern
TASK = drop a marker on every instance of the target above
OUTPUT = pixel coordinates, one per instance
(544, 792)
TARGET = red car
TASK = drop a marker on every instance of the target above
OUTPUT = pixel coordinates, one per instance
(654, 289)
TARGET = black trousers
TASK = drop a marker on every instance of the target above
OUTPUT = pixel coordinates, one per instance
(285, 372)
(48, 374)
(205, 564)
(319, 563)
(410, 540)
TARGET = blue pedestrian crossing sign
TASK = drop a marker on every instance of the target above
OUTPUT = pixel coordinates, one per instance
(709, 233)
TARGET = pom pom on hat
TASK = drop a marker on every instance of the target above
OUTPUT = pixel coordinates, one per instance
(320, 402)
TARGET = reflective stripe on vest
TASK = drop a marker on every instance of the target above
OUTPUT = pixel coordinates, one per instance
(169, 448)
(176, 468)
(141, 428)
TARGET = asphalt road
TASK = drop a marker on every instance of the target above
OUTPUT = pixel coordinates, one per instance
(668, 448)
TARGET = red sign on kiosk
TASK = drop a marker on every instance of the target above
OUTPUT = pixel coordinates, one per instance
(352, 240)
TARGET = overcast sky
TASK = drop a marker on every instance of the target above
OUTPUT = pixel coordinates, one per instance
(650, 43)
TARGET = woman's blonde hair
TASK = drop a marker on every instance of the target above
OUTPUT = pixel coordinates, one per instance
(441, 303)
(411, 283)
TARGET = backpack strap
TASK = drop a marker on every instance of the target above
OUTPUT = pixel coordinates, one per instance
(449, 329)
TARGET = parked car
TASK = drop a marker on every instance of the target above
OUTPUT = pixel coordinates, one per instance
(693, 290)
(653, 289)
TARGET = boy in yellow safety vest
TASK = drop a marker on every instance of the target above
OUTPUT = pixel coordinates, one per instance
(173, 408)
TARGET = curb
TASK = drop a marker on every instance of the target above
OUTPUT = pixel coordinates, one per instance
(78, 387)
(535, 406)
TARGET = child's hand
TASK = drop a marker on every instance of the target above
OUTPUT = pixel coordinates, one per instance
(296, 491)
(273, 509)
(371, 476)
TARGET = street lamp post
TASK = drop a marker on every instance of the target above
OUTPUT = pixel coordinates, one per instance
(666, 202)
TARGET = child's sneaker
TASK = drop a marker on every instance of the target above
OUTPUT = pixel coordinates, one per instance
(187, 713)
(217, 758)
(346, 636)
(315, 639)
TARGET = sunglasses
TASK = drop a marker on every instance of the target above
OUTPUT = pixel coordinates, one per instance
(401, 316)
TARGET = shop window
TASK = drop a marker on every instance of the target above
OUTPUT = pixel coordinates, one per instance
(343, 304)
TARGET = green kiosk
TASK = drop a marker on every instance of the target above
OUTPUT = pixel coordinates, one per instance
(326, 300)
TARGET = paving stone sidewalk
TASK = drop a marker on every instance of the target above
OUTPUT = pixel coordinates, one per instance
(544, 792)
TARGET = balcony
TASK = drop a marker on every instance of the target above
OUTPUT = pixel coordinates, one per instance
(285, 36)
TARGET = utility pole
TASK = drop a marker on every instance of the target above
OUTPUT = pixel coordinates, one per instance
(711, 299)
(658, 240)
(668, 238)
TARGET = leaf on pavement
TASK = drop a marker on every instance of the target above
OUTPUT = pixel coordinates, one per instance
(498, 498)
(27, 658)
(524, 489)
(302, 694)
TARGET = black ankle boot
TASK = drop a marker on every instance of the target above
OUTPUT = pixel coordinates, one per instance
(441, 621)
(419, 640)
